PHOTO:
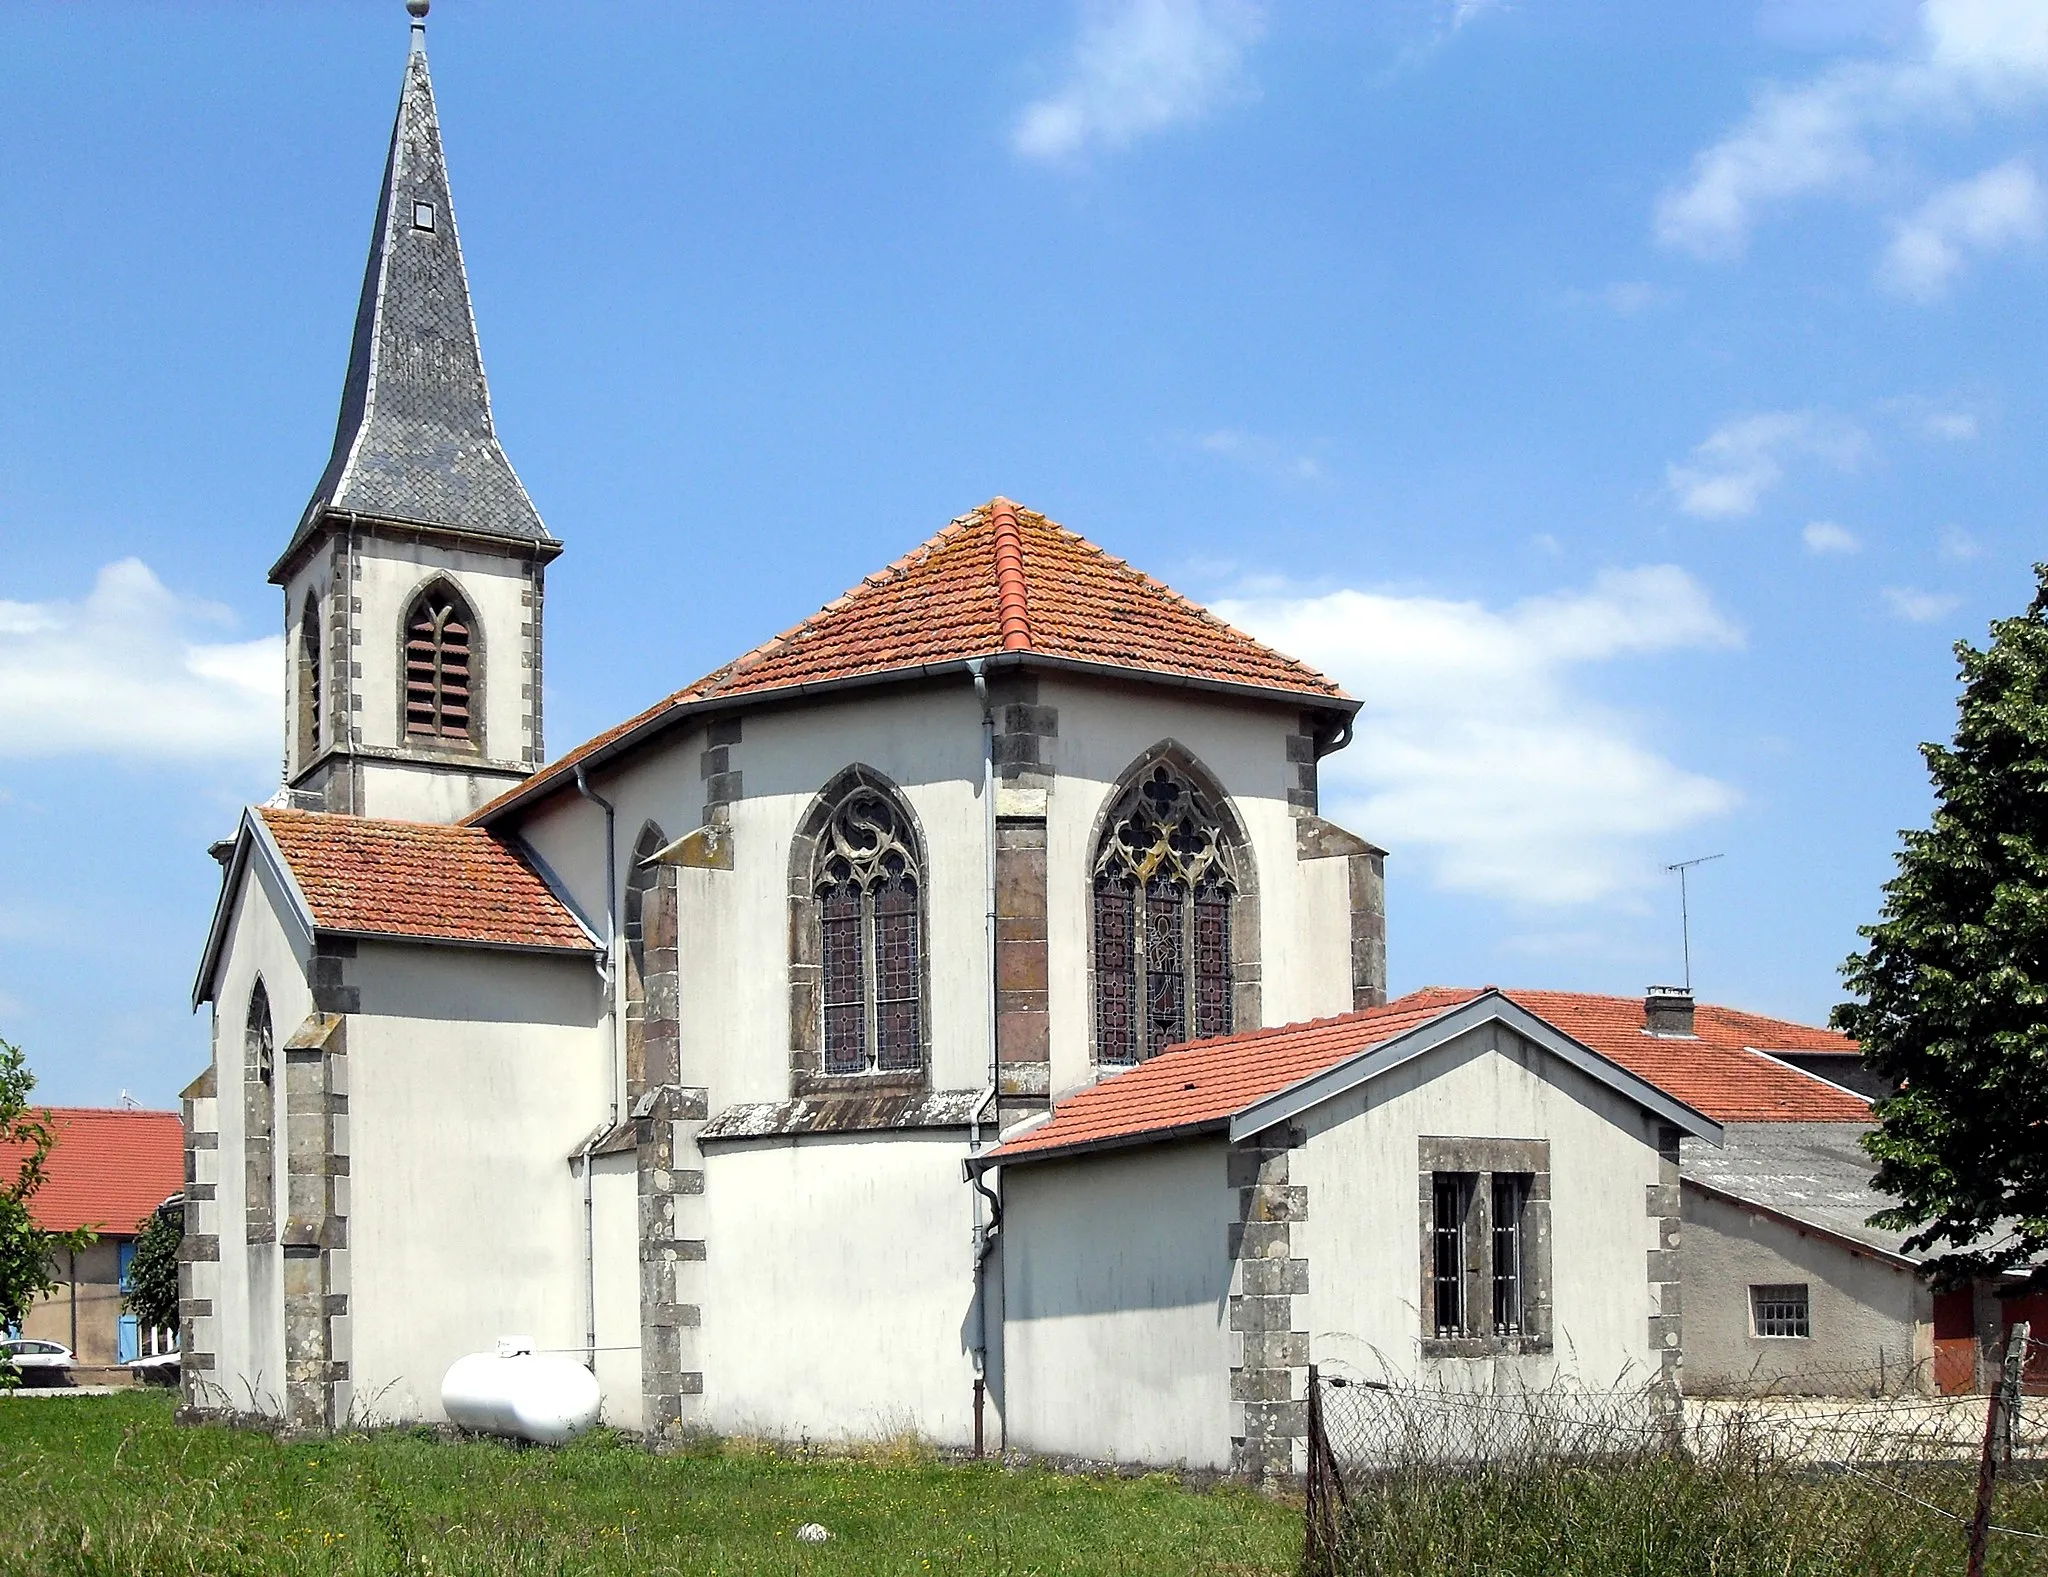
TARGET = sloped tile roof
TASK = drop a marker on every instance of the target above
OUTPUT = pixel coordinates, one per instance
(1206, 1082)
(108, 1171)
(412, 879)
(1000, 579)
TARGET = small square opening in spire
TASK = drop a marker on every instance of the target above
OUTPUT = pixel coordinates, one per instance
(423, 216)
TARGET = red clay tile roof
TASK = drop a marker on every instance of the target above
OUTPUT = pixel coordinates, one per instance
(1719, 1073)
(405, 878)
(109, 1169)
(998, 579)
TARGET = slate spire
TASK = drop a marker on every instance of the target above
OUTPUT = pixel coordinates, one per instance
(415, 443)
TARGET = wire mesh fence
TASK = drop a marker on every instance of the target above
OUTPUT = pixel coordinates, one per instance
(1875, 1474)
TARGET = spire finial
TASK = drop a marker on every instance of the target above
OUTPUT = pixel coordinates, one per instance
(417, 10)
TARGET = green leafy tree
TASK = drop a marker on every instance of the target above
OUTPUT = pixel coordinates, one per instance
(1953, 988)
(27, 1252)
(152, 1295)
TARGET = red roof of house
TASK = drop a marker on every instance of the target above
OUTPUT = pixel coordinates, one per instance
(406, 878)
(109, 1169)
(999, 579)
(1718, 1072)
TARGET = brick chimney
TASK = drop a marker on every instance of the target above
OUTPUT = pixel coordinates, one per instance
(1667, 1010)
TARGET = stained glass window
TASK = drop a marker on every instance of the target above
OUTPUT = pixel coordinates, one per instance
(1162, 960)
(871, 938)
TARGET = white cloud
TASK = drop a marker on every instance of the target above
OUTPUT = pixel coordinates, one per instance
(1824, 536)
(125, 673)
(1743, 459)
(1955, 426)
(1957, 544)
(1475, 751)
(1920, 607)
(1140, 66)
(1262, 454)
(1982, 214)
(1966, 56)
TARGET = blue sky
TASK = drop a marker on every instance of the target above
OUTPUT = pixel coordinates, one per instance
(1631, 402)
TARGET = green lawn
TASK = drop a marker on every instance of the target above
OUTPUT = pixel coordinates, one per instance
(111, 1485)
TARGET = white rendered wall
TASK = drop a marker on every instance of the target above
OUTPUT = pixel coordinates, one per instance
(248, 1373)
(1866, 1314)
(615, 1201)
(841, 1280)
(472, 1077)
(1363, 1235)
(1116, 1278)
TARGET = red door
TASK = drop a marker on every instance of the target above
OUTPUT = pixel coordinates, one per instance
(2034, 1309)
(1955, 1342)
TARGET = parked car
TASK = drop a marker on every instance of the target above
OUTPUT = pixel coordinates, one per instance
(42, 1363)
(157, 1369)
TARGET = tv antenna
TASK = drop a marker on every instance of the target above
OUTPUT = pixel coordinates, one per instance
(1685, 912)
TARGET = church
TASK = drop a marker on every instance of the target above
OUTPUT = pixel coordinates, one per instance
(796, 1052)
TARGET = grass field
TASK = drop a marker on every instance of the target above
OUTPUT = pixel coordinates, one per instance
(110, 1485)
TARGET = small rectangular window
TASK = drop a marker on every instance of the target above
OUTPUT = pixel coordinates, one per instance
(1447, 1246)
(423, 216)
(1780, 1311)
(1510, 1196)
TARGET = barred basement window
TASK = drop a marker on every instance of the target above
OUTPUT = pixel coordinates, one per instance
(870, 935)
(440, 668)
(1164, 881)
(1447, 1251)
(1780, 1311)
(309, 681)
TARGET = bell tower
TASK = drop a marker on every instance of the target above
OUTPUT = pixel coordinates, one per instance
(413, 586)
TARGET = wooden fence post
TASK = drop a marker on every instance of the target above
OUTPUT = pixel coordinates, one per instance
(1999, 1407)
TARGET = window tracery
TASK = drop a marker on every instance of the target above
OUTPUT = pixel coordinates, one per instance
(870, 919)
(1165, 876)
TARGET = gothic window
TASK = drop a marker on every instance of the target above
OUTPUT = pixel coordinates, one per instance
(259, 1116)
(866, 884)
(309, 681)
(441, 669)
(1165, 880)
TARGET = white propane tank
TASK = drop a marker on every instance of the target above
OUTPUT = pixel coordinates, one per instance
(543, 1397)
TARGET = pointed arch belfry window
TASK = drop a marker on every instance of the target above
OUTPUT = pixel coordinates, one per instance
(309, 688)
(858, 880)
(441, 668)
(1171, 876)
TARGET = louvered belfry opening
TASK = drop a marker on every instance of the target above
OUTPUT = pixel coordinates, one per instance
(440, 669)
(309, 681)
(1164, 881)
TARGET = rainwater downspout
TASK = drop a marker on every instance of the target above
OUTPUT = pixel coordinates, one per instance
(607, 971)
(984, 1231)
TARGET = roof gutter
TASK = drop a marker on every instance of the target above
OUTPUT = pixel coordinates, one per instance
(977, 1164)
(557, 778)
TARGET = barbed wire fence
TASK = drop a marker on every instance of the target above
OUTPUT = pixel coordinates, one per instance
(1858, 1455)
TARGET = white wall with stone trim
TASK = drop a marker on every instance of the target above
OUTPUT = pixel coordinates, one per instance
(615, 1200)
(841, 1276)
(1363, 1233)
(1116, 1280)
(1866, 1313)
(473, 1076)
(248, 1298)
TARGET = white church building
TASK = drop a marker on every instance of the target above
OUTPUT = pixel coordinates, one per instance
(797, 1049)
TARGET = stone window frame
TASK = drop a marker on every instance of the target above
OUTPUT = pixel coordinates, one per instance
(479, 668)
(259, 1116)
(641, 879)
(1480, 1160)
(807, 1075)
(308, 688)
(1245, 940)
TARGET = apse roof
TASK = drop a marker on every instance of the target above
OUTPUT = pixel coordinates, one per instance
(1001, 582)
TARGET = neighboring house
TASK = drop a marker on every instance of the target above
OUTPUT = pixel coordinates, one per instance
(1788, 1285)
(673, 1050)
(109, 1170)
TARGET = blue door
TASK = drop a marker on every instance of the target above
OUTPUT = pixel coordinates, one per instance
(128, 1330)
